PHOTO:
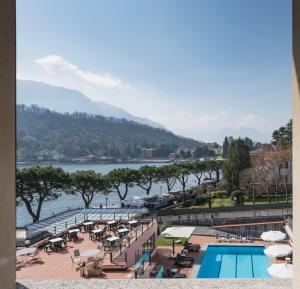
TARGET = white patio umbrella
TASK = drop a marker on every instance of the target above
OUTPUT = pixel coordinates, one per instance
(281, 270)
(273, 236)
(177, 232)
(278, 251)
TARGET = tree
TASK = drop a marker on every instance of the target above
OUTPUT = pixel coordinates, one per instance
(182, 172)
(145, 178)
(121, 180)
(37, 184)
(216, 166)
(197, 169)
(225, 147)
(238, 159)
(88, 184)
(166, 174)
(283, 136)
(249, 142)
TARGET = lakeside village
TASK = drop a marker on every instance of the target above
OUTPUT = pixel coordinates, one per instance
(235, 222)
(147, 155)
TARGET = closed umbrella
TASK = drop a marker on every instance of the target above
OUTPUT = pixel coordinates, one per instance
(281, 270)
(278, 251)
(273, 236)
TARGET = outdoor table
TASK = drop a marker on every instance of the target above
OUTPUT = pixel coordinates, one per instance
(112, 224)
(98, 232)
(133, 224)
(113, 239)
(122, 232)
(73, 234)
(74, 231)
(56, 243)
(88, 225)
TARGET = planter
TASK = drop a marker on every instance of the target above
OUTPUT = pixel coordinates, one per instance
(94, 271)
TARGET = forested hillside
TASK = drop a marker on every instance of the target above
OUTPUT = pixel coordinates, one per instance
(41, 132)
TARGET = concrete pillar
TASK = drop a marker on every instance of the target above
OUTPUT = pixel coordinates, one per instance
(7, 143)
(296, 142)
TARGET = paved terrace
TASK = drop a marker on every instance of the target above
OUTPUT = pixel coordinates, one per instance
(61, 221)
(158, 284)
(58, 264)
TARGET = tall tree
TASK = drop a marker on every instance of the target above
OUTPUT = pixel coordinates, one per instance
(249, 142)
(35, 185)
(182, 172)
(283, 136)
(197, 169)
(146, 175)
(121, 180)
(88, 184)
(225, 147)
(238, 159)
(166, 174)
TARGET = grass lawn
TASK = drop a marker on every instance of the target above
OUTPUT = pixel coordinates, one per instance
(227, 202)
(161, 241)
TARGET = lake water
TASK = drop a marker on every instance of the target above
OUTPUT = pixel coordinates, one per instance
(65, 201)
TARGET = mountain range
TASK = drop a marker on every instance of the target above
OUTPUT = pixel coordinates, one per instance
(62, 100)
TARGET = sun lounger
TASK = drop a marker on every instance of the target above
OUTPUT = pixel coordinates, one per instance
(184, 258)
(228, 237)
(184, 263)
(191, 247)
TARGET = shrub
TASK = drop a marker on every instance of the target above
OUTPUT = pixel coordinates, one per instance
(201, 200)
(237, 196)
(187, 203)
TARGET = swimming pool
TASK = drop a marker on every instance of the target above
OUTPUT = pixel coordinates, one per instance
(234, 262)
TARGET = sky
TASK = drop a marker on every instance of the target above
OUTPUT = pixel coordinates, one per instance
(202, 68)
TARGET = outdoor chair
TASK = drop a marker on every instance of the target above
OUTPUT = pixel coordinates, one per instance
(48, 246)
(92, 236)
(77, 262)
(192, 247)
(184, 258)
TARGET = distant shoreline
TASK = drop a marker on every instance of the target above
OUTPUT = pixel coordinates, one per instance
(94, 162)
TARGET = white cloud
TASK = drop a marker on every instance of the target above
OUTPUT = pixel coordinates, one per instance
(215, 126)
(55, 65)
(253, 121)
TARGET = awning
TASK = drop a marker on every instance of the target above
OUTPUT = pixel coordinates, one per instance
(178, 232)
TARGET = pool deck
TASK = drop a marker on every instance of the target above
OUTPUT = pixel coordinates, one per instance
(158, 284)
(58, 265)
(204, 241)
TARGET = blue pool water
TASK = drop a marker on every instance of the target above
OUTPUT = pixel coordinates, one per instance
(234, 262)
